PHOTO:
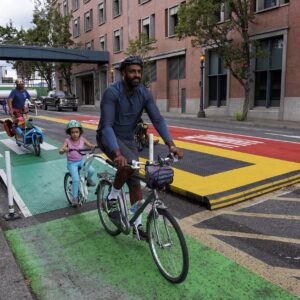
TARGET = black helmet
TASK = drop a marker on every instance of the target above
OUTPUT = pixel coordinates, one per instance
(131, 60)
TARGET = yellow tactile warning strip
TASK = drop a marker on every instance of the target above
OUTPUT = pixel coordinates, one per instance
(262, 175)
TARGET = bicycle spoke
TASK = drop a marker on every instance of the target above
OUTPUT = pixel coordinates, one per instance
(102, 194)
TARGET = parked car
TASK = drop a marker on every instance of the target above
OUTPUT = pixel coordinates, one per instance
(35, 103)
(59, 100)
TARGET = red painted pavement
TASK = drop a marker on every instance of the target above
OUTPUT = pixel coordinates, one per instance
(259, 146)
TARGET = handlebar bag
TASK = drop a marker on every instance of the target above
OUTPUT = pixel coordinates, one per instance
(158, 177)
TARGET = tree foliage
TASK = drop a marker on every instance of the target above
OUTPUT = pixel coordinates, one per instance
(141, 47)
(50, 29)
(200, 20)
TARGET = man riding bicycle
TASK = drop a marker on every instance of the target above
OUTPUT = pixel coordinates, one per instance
(17, 106)
(17, 99)
(121, 108)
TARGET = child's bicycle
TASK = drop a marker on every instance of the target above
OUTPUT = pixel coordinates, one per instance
(83, 186)
(166, 241)
(141, 136)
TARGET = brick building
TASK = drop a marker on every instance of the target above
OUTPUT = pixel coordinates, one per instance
(108, 25)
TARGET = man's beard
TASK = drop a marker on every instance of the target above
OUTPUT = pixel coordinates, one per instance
(134, 81)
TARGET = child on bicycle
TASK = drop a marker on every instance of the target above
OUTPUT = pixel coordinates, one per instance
(74, 158)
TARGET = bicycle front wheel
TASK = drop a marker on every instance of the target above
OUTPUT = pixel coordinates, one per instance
(36, 145)
(102, 193)
(168, 246)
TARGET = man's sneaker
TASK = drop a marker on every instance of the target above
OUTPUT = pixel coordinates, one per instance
(141, 235)
(113, 210)
(90, 182)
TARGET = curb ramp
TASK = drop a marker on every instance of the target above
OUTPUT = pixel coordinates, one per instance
(218, 178)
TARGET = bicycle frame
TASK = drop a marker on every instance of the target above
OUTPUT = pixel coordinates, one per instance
(82, 172)
(83, 175)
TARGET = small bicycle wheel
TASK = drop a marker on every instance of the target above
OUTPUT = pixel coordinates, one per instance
(102, 193)
(168, 246)
(68, 187)
(36, 145)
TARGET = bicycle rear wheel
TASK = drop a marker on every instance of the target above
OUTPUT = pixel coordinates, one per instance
(102, 193)
(68, 187)
(168, 246)
(36, 145)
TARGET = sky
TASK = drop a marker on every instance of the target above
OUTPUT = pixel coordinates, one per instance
(20, 13)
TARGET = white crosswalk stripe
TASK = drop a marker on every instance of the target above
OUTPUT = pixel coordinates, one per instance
(11, 144)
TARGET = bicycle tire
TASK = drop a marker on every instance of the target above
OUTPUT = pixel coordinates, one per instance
(36, 145)
(171, 258)
(68, 187)
(102, 193)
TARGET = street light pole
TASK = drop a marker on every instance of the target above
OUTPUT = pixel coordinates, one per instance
(112, 74)
(201, 113)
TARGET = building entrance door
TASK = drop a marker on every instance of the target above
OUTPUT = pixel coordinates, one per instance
(88, 90)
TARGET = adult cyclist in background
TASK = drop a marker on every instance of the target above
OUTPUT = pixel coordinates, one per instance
(17, 99)
(121, 108)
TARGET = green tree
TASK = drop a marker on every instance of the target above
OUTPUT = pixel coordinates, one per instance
(141, 47)
(200, 20)
(51, 29)
(8, 33)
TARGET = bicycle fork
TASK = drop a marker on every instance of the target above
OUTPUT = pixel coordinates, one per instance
(159, 205)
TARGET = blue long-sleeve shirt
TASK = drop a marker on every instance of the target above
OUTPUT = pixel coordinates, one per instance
(121, 112)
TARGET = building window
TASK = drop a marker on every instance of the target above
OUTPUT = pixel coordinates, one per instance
(176, 67)
(268, 73)
(76, 27)
(117, 8)
(265, 4)
(65, 8)
(150, 72)
(102, 12)
(89, 45)
(75, 5)
(102, 42)
(118, 40)
(88, 20)
(143, 1)
(217, 80)
(224, 13)
(147, 26)
(172, 20)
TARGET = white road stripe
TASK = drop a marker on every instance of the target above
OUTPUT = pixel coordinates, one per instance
(46, 146)
(234, 134)
(23, 208)
(285, 135)
(220, 140)
(11, 144)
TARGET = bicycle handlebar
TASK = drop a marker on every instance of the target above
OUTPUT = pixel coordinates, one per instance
(170, 158)
(134, 164)
(84, 151)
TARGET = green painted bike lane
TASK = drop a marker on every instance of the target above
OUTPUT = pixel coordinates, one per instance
(74, 258)
(39, 181)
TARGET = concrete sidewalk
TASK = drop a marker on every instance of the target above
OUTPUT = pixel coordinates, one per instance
(12, 282)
